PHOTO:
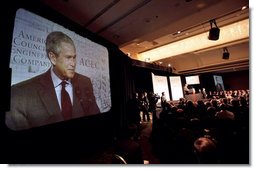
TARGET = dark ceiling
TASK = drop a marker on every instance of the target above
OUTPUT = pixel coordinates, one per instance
(141, 25)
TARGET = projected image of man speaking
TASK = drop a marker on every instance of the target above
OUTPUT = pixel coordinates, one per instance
(56, 95)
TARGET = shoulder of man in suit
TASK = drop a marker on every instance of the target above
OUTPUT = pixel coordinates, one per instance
(78, 77)
(81, 82)
(29, 82)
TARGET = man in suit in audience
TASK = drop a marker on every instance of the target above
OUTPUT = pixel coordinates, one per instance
(187, 90)
(37, 101)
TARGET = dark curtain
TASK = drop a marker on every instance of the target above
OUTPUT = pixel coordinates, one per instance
(122, 86)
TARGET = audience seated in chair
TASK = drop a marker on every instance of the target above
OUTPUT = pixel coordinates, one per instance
(206, 150)
(127, 148)
(117, 159)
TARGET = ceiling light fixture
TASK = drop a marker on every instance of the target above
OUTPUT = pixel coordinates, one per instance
(226, 54)
(230, 33)
(214, 32)
(147, 59)
(244, 7)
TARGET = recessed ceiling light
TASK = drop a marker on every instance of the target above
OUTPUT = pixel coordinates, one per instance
(200, 5)
(244, 7)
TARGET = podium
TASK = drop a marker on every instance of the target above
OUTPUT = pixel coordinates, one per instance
(194, 97)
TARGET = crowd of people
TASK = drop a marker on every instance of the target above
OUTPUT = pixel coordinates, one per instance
(213, 130)
(139, 109)
(229, 94)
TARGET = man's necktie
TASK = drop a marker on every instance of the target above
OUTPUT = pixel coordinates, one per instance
(66, 102)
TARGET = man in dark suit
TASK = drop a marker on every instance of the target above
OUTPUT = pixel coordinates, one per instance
(39, 101)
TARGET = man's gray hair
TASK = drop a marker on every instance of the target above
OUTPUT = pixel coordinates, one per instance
(54, 40)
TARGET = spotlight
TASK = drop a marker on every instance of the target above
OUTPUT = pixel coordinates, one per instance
(225, 54)
(214, 32)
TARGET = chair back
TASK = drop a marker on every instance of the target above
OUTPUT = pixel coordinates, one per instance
(117, 159)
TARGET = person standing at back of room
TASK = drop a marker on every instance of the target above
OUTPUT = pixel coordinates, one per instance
(42, 99)
(163, 100)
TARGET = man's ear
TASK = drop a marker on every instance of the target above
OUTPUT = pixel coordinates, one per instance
(52, 58)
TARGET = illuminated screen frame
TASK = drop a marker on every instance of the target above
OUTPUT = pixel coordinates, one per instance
(160, 84)
(192, 80)
(218, 82)
(28, 55)
(176, 87)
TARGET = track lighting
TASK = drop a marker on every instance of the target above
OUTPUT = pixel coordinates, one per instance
(214, 32)
(225, 53)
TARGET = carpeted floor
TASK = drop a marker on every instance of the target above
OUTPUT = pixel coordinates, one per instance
(146, 129)
(105, 156)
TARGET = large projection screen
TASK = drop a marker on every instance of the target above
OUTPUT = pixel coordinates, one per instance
(191, 80)
(218, 81)
(36, 98)
(29, 59)
(176, 87)
(160, 84)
